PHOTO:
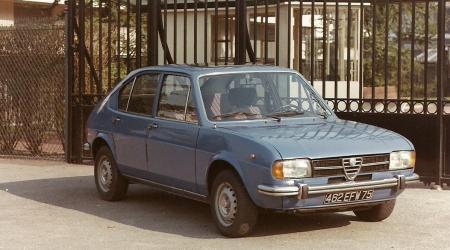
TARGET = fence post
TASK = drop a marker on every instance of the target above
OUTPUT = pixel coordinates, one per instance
(153, 31)
(441, 78)
(68, 78)
(241, 32)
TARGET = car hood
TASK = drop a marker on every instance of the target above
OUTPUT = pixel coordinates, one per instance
(326, 139)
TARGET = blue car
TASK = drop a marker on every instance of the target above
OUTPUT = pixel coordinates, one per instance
(243, 139)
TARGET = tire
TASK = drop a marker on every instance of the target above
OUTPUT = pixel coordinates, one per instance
(237, 215)
(376, 213)
(111, 185)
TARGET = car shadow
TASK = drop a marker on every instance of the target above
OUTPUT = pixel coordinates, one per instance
(150, 209)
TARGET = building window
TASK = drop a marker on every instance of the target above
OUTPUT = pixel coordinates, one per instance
(265, 36)
(223, 41)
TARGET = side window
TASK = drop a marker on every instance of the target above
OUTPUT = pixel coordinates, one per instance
(144, 90)
(124, 95)
(176, 101)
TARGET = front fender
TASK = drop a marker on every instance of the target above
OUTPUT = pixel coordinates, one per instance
(226, 157)
(107, 138)
(250, 159)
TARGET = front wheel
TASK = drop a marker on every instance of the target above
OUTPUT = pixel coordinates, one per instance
(111, 185)
(233, 211)
(376, 213)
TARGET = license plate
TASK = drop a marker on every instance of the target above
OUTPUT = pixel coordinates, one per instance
(348, 197)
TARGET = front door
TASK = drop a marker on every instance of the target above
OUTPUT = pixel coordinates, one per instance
(172, 138)
(135, 105)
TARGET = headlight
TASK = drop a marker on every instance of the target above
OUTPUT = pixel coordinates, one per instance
(402, 160)
(291, 169)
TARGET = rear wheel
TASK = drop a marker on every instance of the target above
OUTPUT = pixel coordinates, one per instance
(111, 185)
(233, 211)
(376, 213)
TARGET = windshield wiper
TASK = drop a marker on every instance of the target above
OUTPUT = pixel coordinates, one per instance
(231, 114)
(287, 113)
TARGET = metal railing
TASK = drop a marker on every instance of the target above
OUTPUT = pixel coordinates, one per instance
(379, 61)
(32, 89)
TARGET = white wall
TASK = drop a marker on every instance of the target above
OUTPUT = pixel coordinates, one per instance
(284, 57)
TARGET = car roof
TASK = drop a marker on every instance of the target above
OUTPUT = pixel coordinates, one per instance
(205, 70)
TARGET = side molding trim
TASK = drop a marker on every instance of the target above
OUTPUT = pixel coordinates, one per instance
(169, 189)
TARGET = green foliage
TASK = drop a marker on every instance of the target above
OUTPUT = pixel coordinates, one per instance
(390, 26)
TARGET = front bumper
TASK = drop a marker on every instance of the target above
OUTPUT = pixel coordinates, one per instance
(303, 191)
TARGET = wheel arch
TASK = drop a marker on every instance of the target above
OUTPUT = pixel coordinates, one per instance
(219, 164)
(100, 141)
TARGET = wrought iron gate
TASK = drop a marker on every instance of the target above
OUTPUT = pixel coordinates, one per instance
(383, 62)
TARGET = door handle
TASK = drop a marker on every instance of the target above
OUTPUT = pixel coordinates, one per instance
(152, 126)
(115, 120)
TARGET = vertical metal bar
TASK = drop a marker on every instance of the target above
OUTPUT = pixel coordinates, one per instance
(425, 65)
(349, 30)
(289, 33)
(336, 54)
(91, 42)
(128, 36)
(441, 81)
(277, 34)
(313, 31)
(361, 53)
(185, 32)
(81, 51)
(374, 32)
(300, 38)
(155, 8)
(241, 32)
(195, 30)
(109, 44)
(413, 41)
(68, 76)
(324, 46)
(100, 48)
(175, 30)
(216, 30)
(205, 36)
(138, 33)
(399, 54)
(266, 31)
(81, 75)
(386, 51)
(165, 30)
(118, 40)
(226, 31)
(255, 29)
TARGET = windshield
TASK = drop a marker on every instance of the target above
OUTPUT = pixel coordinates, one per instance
(249, 96)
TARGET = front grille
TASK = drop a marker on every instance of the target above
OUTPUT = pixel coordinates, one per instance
(334, 166)
(340, 179)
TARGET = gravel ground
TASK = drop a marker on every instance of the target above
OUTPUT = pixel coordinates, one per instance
(53, 205)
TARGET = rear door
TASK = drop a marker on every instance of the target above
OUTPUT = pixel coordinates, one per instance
(130, 121)
(172, 139)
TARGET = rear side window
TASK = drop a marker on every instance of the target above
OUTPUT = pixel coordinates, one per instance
(124, 95)
(143, 95)
(175, 102)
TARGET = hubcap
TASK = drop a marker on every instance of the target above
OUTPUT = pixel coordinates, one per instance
(104, 174)
(226, 204)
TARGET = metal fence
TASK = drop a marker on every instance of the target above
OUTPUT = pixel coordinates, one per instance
(32, 89)
(383, 62)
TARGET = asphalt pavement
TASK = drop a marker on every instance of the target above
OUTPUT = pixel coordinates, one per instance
(53, 205)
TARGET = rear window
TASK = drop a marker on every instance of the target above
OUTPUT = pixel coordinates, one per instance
(124, 95)
(144, 91)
